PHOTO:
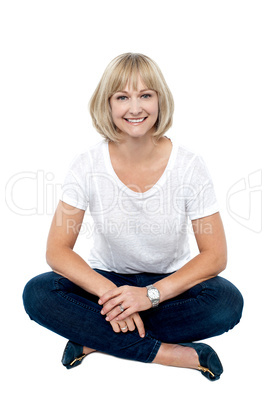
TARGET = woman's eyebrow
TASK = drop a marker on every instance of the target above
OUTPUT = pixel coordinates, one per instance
(142, 90)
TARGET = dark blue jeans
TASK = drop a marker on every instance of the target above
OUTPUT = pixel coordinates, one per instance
(208, 309)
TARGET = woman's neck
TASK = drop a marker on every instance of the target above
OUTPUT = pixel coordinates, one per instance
(136, 151)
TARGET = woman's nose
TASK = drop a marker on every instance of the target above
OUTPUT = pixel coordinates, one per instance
(135, 107)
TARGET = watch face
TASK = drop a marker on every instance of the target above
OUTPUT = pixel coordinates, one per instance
(153, 293)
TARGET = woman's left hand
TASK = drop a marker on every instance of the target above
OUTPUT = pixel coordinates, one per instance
(123, 301)
(131, 323)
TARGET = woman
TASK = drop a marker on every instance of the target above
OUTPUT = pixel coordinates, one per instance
(140, 296)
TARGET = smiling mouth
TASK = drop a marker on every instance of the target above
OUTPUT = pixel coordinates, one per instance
(136, 120)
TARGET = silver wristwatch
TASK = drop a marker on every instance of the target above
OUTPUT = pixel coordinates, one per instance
(153, 295)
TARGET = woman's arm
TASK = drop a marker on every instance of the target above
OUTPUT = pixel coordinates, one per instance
(63, 260)
(211, 260)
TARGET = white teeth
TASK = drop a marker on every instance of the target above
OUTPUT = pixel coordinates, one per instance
(135, 120)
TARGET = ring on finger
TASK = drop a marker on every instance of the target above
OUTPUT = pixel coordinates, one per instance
(122, 308)
(124, 328)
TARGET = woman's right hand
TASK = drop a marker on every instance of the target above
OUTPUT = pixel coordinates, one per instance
(129, 324)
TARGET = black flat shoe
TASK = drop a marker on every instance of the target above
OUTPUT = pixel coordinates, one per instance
(72, 355)
(210, 365)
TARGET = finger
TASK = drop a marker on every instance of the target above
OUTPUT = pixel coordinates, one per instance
(127, 325)
(111, 304)
(115, 326)
(123, 326)
(109, 295)
(130, 324)
(127, 312)
(139, 325)
(116, 313)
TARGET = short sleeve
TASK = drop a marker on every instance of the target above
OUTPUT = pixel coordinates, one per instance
(200, 194)
(75, 186)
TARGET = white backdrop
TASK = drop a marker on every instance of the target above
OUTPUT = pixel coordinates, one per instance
(53, 52)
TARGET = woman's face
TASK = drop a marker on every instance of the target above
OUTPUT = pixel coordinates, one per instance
(135, 112)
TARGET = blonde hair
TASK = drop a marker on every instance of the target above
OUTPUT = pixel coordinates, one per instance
(122, 70)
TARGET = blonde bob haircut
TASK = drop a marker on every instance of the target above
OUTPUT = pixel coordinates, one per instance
(126, 69)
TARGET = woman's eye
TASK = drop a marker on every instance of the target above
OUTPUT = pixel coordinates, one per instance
(124, 97)
(146, 96)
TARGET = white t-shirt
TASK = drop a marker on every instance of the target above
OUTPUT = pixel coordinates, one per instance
(140, 232)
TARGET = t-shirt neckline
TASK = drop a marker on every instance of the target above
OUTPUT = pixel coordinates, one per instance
(151, 190)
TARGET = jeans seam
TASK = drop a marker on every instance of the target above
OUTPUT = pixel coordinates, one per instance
(176, 303)
(154, 351)
(70, 299)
